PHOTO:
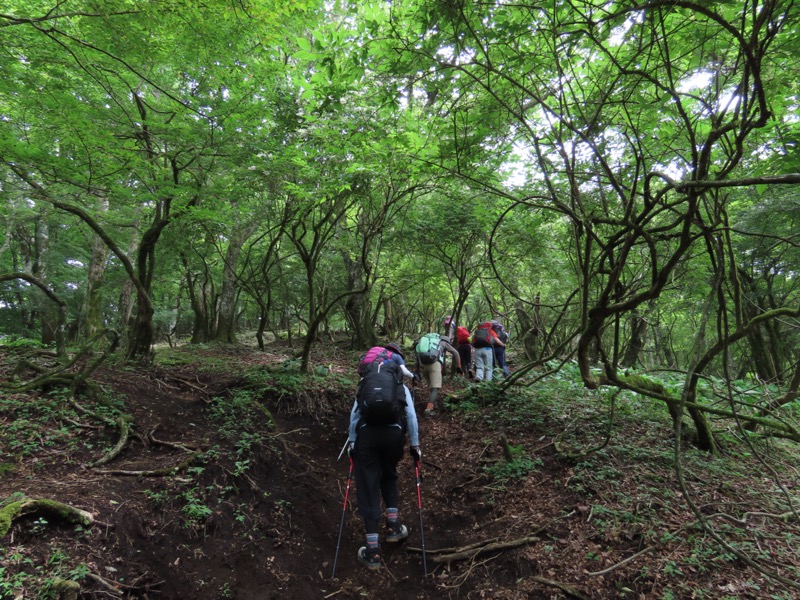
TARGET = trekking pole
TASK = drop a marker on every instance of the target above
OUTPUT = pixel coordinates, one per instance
(341, 523)
(346, 442)
(421, 523)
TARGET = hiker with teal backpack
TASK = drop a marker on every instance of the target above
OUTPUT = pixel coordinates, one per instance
(430, 351)
(382, 414)
(483, 340)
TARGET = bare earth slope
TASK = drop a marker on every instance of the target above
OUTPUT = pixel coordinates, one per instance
(260, 520)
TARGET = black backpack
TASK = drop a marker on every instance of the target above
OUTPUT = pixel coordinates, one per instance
(380, 392)
(481, 337)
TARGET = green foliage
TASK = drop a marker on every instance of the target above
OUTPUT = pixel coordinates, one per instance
(237, 413)
(194, 510)
(20, 575)
(19, 341)
(196, 357)
(516, 469)
(30, 431)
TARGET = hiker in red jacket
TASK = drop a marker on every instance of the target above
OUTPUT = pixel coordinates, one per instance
(465, 350)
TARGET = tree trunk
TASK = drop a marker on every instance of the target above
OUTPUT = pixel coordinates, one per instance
(224, 331)
(638, 337)
(141, 331)
(226, 316)
(92, 310)
(48, 313)
(389, 322)
(356, 308)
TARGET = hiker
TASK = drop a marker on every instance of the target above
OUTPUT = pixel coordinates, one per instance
(449, 327)
(483, 339)
(465, 350)
(449, 324)
(378, 425)
(429, 350)
(500, 351)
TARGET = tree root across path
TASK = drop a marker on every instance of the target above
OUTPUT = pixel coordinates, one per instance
(496, 544)
(45, 508)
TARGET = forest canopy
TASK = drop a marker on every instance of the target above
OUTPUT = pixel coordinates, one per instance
(616, 181)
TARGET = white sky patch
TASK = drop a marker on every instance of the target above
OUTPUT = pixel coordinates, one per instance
(617, 37)
(697, 81)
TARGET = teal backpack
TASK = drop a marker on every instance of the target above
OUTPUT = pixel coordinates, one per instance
(427, 348)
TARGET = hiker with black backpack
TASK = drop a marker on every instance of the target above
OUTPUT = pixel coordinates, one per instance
(429, 350)
(381, 415)
(483, 340)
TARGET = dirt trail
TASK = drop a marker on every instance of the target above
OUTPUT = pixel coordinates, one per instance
(271, 531)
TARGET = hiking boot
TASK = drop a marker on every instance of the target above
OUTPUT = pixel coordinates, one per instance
(396, 532)
(370, 558)
(429, 413)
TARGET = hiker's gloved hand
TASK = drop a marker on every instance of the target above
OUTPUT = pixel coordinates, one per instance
(351, 449)
(416, 378)
(416, 453)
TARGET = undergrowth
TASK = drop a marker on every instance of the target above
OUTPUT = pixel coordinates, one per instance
(619, 451)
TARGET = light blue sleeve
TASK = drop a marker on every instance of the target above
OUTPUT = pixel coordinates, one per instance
(411, 419)
(354, 416)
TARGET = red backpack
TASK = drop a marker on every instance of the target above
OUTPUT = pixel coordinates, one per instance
(462, 335)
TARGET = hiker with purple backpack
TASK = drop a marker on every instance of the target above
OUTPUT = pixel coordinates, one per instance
(382, 414)
(500, 351)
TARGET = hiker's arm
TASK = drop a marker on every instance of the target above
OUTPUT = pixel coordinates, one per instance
(353, 422)
(411, 420)
(456, 356)
(406, 372)
(496, 340)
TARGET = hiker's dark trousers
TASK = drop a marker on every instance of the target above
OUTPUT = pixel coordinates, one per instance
(377, 452)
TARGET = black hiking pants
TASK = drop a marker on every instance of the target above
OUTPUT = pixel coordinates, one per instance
(378, 450)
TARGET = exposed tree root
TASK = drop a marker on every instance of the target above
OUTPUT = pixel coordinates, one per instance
(151, 439)
(111, 587)
(568, 590)
(484, 547)
(124, 432)
(155, 472)
(66, 589)
(72, 373)
(45, 508)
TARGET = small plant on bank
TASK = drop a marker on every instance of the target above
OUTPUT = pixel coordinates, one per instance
(514, 470)
(195, 512)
